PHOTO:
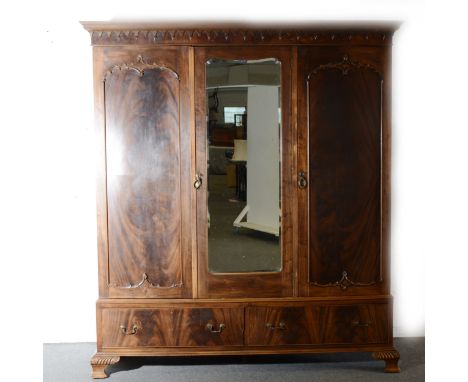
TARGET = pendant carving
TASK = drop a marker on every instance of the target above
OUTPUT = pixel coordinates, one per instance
(344, 283)
(139, 67)
(146, 284)
(344, 66)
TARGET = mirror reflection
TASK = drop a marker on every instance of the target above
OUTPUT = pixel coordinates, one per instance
(244, 154)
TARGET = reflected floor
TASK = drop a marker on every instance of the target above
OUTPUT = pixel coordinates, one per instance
(232, 249)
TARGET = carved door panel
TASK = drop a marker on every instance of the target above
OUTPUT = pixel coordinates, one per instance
(145, 114)
(342, 139)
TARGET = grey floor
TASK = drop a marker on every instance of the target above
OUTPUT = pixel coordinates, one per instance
(231, 249)
(70, 363)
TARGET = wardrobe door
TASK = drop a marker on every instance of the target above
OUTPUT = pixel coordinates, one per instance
(342, 170)
(244, 230)
(144, 213)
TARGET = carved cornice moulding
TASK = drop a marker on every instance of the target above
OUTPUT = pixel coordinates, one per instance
(103, 33)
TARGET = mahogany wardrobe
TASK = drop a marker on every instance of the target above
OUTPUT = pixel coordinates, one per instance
(243, 190)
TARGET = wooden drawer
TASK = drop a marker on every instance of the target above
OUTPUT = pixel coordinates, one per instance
(317, 324)
(126, 327)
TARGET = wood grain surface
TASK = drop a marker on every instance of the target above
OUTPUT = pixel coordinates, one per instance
(344, 172)
(341, 117)
(148, 175)
(317, 324)
(173, 327)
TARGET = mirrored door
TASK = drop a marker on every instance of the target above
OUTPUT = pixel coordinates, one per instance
(243, 144)
(243, 165)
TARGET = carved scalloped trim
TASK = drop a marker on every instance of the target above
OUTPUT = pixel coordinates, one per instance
(139, 67)
(390, 354)
(344, 283)
(146, 284)
(104, 359)
(344, 66)
(213, 36)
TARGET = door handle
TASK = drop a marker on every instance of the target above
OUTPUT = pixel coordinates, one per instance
(198, 181)
(301, 179)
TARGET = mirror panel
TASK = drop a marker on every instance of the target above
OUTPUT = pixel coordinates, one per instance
(244, 165)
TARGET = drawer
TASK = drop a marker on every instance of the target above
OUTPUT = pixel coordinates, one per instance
(126, 327)
(317, 324)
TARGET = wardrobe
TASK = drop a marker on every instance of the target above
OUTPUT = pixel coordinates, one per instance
(299, 260)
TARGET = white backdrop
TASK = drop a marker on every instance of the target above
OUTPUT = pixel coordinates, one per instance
(47, 205)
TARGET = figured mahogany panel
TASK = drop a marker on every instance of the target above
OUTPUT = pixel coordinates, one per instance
(343, 116)
(282, 325)
(356, 324)
(146, 194)
(317, 325)
(172, 327)
(344, 172)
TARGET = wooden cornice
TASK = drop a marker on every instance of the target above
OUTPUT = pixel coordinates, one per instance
(124, 33)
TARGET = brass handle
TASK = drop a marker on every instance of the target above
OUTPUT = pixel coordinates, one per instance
(210, 328)
(281, 326)
(198, 181)
(131, 332)
(301, 181)
(360, 324)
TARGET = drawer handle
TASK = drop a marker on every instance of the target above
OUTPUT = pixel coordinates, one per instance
(131, 332)
(360, 324)
(281, 326)
(210, 328)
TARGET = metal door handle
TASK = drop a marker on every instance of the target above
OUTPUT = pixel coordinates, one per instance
(301, 180)
(198, 181)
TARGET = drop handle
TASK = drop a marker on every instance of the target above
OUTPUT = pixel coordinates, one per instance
(281, 326)
(301, 179)
(130, 332)
(211, 328)
(198, 181)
